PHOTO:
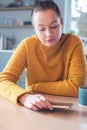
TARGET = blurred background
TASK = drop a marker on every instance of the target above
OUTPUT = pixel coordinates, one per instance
(15, 20)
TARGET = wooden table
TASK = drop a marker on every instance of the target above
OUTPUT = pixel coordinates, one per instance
(14, 117)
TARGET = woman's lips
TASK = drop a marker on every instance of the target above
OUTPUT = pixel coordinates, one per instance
(49, 40)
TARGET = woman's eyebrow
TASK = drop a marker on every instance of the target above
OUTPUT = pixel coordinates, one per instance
(55, 21)
(41, 25)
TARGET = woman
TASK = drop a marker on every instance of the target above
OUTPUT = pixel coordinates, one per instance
(54, 61)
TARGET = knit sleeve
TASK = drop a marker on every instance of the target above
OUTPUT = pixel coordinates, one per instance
(76, 77)
(11, 74)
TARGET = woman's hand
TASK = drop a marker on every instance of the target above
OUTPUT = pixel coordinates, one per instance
(35, 102)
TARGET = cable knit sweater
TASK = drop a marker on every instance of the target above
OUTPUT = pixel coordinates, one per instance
(58, 70)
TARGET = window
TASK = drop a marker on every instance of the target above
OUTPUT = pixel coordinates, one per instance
(79, 19)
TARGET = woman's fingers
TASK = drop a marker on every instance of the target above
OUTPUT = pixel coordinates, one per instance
(37, 102)
(49, 105)
(35, 108)
(42, 102)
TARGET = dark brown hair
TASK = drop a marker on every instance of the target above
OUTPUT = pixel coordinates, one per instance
(41, 5)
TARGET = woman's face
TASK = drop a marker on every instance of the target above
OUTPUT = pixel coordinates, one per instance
(48, 27)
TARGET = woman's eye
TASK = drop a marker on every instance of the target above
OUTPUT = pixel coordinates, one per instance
(53, 27)
(42, 29)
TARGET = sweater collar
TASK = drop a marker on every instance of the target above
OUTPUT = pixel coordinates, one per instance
(49, 52)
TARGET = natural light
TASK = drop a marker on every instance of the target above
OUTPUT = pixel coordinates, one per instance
(79, 20)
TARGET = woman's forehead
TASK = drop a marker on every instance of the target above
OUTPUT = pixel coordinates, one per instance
(46, 12)
(46, 15)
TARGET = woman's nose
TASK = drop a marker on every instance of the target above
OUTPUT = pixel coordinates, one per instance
(48, 32)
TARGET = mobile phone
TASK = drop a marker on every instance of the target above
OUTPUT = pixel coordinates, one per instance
(62, 105)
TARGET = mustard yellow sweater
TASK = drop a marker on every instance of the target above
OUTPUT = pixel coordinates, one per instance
(58, 70)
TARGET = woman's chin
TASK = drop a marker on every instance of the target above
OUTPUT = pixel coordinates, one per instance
(50, 44)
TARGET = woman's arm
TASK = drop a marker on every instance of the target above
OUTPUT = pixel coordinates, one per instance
(11, 74)
(76, 77)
